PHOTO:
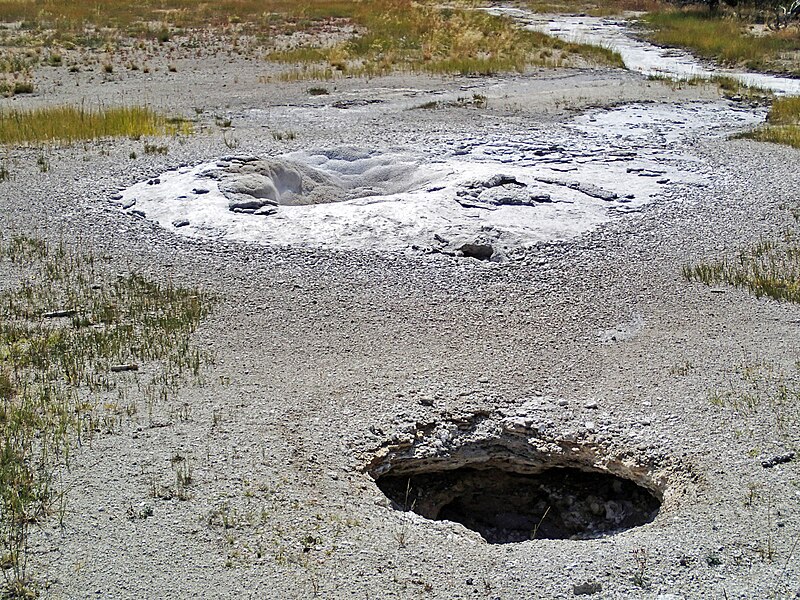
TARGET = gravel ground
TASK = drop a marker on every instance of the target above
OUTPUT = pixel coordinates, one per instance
(326, 360)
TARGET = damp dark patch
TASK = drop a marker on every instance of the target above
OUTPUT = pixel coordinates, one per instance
(505, 506)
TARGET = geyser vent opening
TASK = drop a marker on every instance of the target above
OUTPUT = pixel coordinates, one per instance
(505, 506)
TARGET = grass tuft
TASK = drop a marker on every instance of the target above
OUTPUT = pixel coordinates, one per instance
(770, 268)
(785, 111)
(71, 124)
(783, 124)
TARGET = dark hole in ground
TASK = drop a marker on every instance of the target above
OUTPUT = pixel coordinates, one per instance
(504, 507)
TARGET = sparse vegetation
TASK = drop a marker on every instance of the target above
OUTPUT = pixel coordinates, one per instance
(400, 35)
(231, 142)
(71, 124)
(640, 578)
(43, 163)
(770, 268)
(783, 124)
(63, 329)
(765, 391)
(23, 87)
(16, 86)
(474, 101)
(280, 136)
(155, 149)
(389, 35)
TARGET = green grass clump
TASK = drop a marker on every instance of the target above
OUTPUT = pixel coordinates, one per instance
(783, 124)
(70, 334)
(785, 111)
(720, 38)
(787, 135)
(770, 268)
(401, 35)
(71, 124)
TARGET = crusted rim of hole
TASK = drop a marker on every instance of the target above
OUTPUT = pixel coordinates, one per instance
(495, 443)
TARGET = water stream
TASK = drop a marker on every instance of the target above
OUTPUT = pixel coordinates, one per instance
(638, 55)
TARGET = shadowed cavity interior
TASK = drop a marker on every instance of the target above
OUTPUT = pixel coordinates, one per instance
(503, 506)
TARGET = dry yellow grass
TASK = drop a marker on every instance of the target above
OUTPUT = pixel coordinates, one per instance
(401, 35)
(70, 124)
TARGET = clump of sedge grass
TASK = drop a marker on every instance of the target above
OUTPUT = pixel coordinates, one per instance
(69, 334)
(785, 111)
(783, 124)
(787, 135)
(770, 268)
(70, 124)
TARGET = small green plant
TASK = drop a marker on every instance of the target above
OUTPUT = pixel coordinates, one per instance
(43, 163)
(230, 142)
(535, 531)
(183, 476)
(23, 87)
(155, 149)
(479, 100)
(137, 514)
(401, 532)
(5, 174)
(108, 68)
(682, 369)
(640, 568)
(318, 91)
(283, 135)
(758, 499)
